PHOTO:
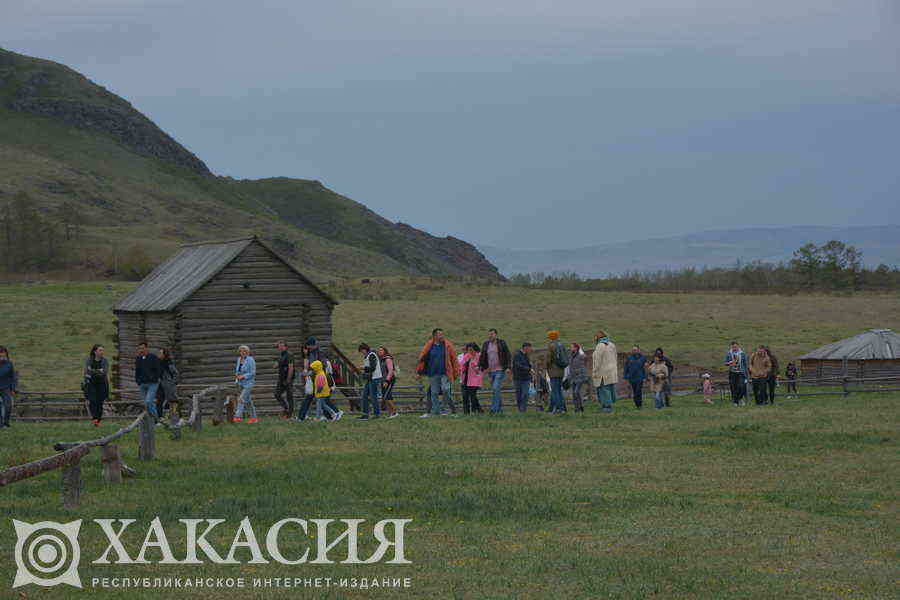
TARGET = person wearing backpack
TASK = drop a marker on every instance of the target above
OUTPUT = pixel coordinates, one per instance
(322, 391)
(556, 362)
(371, 368)
(389, 369)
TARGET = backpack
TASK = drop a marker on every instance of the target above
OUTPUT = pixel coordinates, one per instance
(329, 374)
(561, 357)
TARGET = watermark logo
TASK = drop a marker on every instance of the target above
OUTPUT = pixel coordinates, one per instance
(47, 553)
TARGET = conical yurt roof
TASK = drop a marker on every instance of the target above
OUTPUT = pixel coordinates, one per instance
(874, 344)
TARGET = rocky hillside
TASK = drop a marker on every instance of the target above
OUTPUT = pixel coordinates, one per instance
(71, 145)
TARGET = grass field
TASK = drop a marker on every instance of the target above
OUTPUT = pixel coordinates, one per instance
(50, 328)
(799, 500)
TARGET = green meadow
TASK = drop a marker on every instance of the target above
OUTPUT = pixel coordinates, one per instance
(799, 500)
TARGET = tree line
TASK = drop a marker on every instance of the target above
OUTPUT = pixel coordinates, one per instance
(833, 266)
(36, 241)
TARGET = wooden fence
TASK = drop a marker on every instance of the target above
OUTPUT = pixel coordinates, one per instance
(72, 453)
(61, 406)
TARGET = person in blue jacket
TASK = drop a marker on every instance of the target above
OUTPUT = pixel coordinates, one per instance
(635, 373)
(9, 380)
(245, 377)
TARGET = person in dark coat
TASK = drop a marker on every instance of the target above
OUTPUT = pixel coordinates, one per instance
(738, 372)
(96, 383)
(635, 372)
(578, 377)
(522, 374)
(790, 373)
(9, 381)
(168, 382)
(147, 371)
(772, 379)
(284, 389)
(495, 360)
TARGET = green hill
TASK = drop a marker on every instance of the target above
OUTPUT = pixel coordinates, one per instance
(85, 156)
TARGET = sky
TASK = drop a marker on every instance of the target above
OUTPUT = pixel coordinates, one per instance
(517, 123)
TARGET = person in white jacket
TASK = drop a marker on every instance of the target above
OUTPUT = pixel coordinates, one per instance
(605, 371)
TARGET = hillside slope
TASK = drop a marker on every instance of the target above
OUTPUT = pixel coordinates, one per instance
(72, 145)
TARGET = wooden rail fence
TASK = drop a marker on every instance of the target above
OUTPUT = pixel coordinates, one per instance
(72, 453)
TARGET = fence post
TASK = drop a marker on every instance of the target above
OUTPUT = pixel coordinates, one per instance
(146, 438)
(229, 409)
(71, 485)
(174, 424)
(111, 463)
(218, 409)
(198, 418)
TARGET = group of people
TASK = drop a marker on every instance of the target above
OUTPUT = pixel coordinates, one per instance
(560, 369)
(759, 372)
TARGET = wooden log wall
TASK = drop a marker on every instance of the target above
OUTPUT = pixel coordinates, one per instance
(157, 329)
(255, 300)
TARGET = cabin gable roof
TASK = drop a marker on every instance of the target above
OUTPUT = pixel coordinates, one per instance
(189, 269)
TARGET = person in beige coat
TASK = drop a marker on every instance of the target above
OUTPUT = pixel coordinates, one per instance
(659, 376)
(605, 371)
(760, 365)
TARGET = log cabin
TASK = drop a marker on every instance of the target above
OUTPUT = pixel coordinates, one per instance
(210, 297)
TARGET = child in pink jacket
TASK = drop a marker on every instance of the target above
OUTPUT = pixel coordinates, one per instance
(470, 376)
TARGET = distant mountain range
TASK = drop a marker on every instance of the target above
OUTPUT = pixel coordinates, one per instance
(879, 244)
(74, 147)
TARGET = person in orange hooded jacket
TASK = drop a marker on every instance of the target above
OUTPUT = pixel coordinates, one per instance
(438, 362)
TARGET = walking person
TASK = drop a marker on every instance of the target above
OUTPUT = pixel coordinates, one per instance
(707, 388)
(372, 376)
(635, 373)
(578, 376)
(437, 361)
(605, 370)
(389, 370)
(667, 390)
(322, 391)
(522, 374)
(147, 371)
(284, 389)
(167, 394)
(556, 362)
(245, 377)
(96, 383)
(659, 372)
(9, 383)
(790, 374)
(470, 377)
(772, 379)
(496, 361)
(736, 361)
(312, 353)
(760, 365)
